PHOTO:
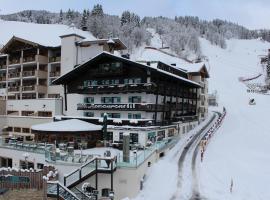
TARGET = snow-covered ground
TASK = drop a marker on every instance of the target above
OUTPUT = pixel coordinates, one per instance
(239, 151)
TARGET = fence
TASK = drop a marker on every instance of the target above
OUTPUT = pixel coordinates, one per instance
(23, 179)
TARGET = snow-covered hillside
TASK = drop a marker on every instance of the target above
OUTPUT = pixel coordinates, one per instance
(240, 149)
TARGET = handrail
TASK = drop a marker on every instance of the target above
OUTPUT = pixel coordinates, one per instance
(79, 171)
(55, 188)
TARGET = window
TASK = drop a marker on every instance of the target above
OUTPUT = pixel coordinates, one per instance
(88, 83)
(44, 114)
(161, 135)
(171, 132)
(110, 136)
(135, 99)
(55, 96)
(132, 80)
(89, 114)
(110, 100)
(134, 116)
(89, 100)
(40, 165)
(134, 137)
(27, 113)
(17, 129)
(151, 136)
(121, 136)
(112, 115)
(115, 67)
(26, 130)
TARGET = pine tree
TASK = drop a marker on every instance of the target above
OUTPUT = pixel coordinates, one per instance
(97, 10)
(125, 18)
(61, 16)
(84, 20)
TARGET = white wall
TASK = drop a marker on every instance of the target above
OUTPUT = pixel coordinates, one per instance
(53, 105)
(86, 53)
(68, 53)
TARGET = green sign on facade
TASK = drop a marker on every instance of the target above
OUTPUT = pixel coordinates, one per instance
(14, 179)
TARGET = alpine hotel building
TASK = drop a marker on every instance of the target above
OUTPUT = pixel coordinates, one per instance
(84, 79)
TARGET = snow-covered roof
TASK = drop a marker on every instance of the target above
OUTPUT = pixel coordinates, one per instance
(152, 54)
(72, 125)
(194, 67)
(149, 54)
(43, 34)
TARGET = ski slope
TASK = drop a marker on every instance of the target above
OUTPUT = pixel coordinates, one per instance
(240, 148)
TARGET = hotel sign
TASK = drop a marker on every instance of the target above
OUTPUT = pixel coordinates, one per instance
(87, 106)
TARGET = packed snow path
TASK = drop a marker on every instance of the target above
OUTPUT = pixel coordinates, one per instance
(187, 165)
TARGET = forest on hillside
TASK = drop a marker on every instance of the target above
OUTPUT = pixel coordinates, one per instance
(180, 34)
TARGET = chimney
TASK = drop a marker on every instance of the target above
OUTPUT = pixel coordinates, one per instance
(173, 64)
(148, 63)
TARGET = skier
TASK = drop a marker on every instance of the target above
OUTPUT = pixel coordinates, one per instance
(201, 155)
(231, 187)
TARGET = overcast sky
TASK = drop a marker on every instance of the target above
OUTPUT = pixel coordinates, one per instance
(250, 13)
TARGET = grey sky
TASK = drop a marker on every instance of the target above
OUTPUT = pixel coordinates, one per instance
(250, 13)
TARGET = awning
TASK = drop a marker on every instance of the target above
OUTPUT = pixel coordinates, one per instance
(72, 125)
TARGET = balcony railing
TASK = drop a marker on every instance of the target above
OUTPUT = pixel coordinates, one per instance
(35, 73)
(3, 67)
(28, 73)
(54, 59)
(15, 75)
(3, 78)
(54, 73)
(15, 61)
(14, 89)
(141, 87)
(29, 59)
(34, 88)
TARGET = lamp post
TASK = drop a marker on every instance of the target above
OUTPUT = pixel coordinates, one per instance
(26, 156)
(104, 128)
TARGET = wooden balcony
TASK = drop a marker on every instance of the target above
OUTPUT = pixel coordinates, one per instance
(121, 88)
